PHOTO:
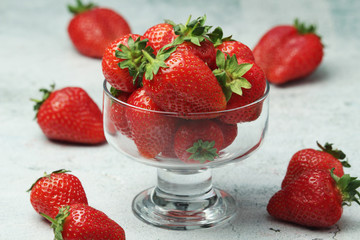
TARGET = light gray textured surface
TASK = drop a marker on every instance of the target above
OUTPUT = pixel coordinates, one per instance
(35, 51)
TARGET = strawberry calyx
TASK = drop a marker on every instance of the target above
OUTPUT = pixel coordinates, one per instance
(336, 153)
(347, 185)
(47, 176)
(216, 37)
(80, 7)
(193, 31)
(230, 74)
(133, 56)
(203, 151)
(58, 223)
(39, 102)
(115, 92)
(154, 63)
(302, 28)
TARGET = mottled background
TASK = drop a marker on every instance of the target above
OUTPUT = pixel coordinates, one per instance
(35, 51)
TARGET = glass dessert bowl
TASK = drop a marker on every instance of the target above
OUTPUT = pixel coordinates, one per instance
(184, 149)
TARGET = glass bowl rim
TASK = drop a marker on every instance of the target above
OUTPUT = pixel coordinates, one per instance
(262, 98)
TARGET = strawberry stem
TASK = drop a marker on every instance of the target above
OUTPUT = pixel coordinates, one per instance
(302, 28)
(335, 153)
(46, 94)
(80, 7)
(48, 176)
(58, 223)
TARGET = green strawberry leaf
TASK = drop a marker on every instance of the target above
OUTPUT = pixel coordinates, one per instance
(237, 85)
(133, 58)
(153, 64)
(302, 28)
(220, 60)
(203, 151)
(194, 31)
(39, 102)
(80, 7)
(241, 69)
(115, 92)
(230, 74)
(335, 153)
(222, 77)
(57, 224)
(216, 37)
(348, 187)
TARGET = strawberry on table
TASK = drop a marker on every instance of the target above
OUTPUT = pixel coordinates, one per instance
(93, 28)
(150, 131)
(56, 190)
(287, 53)
(325, 158)
(315, 198)
(198, 141)
(122, 63)
(70, 115)
(82, 222)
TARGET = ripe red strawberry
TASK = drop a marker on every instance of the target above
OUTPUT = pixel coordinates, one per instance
(205, 51)
(70, 115)
(314, 199)
(150, 131)
(121, 64)
(168, 150)
(198, 141)
(237, 48)
(93, 28)
(189, 37)
(183, 83)
(287, 52)
(117, 112)
(326, 158)
(234, 74)
(82, 222)
(56, 190)
(160, 35)
(229, 131)
(229, 46)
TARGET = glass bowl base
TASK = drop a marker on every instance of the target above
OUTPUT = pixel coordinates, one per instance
(175, 212)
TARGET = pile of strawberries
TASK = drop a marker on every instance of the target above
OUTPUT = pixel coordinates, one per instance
(60, 198)
(189, 87)
(189, 72)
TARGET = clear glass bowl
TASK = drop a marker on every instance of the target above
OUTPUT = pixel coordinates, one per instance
(184, 197)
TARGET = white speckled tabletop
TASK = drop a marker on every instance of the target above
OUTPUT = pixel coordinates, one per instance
(35, 51)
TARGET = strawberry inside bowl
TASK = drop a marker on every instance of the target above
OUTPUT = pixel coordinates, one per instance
(184, 147)
(184, 100)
